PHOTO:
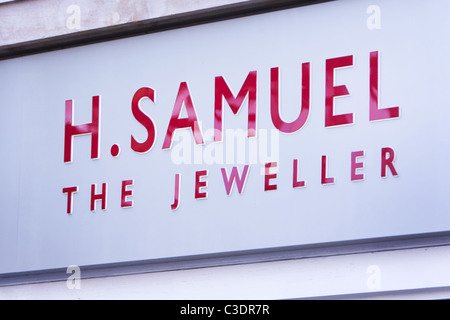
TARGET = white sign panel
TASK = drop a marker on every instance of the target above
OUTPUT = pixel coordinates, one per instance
(310, 125)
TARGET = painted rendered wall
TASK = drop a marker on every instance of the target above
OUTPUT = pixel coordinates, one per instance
(23, 21)
(399, 274)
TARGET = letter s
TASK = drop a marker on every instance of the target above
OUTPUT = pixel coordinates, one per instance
(143, 119)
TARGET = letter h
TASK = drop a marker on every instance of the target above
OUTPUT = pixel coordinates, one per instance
(92, 128)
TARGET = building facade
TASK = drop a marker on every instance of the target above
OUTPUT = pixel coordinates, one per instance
(224, 149)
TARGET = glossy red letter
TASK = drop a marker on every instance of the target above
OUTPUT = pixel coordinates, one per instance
(143, 119)
(331, 92)
(375, 112)
(124, 203)
(176, 201)
(295, 182)
(268, 176)
(275, 101)
(325, 179)
(69, 192)
(222, 90)
(71, 130)
(100, 196)
(200, 184)
(387, 159)
(356, 165)
(234, 177)
(183, 98)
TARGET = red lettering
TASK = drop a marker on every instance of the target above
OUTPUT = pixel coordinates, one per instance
(325, 179)
(143, 119)
(223, 91)
(70, 191)
(375, 112)
(124, 203)
(269, 176)
(100, 196)
(176, 202)
(295, 182)
(71, 130)
(234, 177)
(387, 159)
(332, 91)
(200, 184)
(356, 165)
(183, 98)
(289, 127)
